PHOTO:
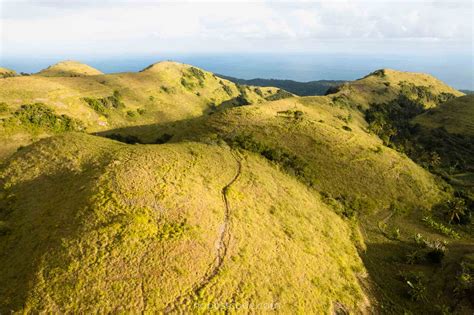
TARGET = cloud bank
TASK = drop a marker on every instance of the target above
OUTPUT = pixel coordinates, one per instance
(124, 27)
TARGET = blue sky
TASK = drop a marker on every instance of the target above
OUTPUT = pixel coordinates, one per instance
(103, 28)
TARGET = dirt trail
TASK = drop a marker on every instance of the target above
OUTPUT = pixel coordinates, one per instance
(222, 243)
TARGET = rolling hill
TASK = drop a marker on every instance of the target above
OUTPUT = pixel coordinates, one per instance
(286, 203)
(164, 92)
(160, 228)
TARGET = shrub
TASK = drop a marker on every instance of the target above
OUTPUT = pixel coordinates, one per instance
(226, 88)
(186, 84)
(414, 286)
(295, 114)
(441, 228)
(198, 74)
(455, 210)
(165, 89)
(280, 94)
(132, 113)
(3, 107)
(259, 92)
(141, 111)
(102, 105)
(39, 115)
(347, 128)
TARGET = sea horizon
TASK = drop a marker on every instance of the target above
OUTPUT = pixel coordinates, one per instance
(454, 69)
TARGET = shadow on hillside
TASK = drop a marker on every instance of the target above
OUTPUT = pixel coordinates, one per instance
(40, 215)
(387, 265)
(189, 129)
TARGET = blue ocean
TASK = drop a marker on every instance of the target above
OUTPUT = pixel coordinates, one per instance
(455, 69)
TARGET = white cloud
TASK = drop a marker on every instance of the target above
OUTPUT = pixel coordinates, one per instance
(127, 26)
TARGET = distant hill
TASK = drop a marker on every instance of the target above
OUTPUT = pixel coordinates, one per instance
(69, 68)
(310, 88)
(467, 91)
(163, 92)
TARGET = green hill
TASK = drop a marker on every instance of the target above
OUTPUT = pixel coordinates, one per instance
(260, 199)
(164, 92)
(160, 228)
(386, 85)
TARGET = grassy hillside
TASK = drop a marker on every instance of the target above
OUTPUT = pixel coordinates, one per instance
(385, 85)
(329, 146)
(455, 116)
(333, 151)
(69, 68)
(302, 204)
(160, 228)
(164, 92)
(310, 88)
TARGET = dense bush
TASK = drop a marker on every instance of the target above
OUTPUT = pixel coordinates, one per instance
(280, 94)
(102, 105)
(39, 115)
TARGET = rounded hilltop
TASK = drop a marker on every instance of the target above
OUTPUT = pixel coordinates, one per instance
(165, 65)
(69, 68)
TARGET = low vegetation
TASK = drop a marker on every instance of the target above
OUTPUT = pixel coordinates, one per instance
(38, 116)
(105, 104)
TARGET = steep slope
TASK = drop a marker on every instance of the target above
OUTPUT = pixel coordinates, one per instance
(69, 68)
(456, 116)
(160, 228)
(164, 92)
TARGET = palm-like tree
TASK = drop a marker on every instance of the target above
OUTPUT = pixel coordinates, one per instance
(456, 209)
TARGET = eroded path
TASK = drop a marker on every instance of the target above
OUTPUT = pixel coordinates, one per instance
(222, 244)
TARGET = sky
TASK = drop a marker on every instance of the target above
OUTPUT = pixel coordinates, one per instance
(105, 27)
(298, 39)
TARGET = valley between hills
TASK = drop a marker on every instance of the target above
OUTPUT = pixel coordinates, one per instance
(173, 190)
